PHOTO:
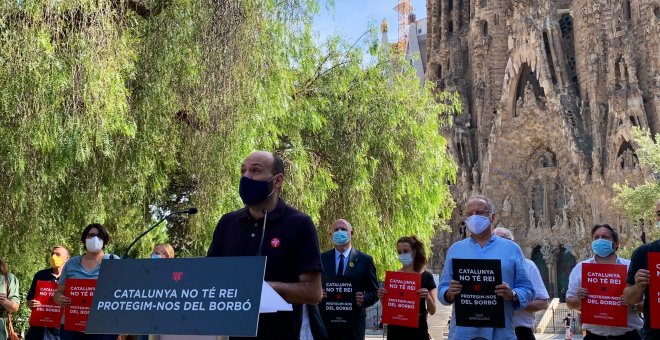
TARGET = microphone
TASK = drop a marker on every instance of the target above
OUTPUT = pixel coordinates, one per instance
(263, 231)
(190, 211)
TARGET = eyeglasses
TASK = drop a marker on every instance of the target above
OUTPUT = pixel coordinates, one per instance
(476, 212)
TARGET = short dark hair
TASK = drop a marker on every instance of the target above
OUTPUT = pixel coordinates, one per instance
(103, 234)
(489, 202)
(420, 255)
(615, 234)
(63, 247)
(278, 165)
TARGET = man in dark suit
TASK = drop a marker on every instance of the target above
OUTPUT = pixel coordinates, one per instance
(344, 260)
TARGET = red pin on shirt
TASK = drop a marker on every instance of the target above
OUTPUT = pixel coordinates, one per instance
(275, 242)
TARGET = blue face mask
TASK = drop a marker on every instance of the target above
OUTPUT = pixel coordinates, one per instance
(253, 192)
(155, 256)
(340, 237)
(602, 247)
(477, 223)
(406, 259)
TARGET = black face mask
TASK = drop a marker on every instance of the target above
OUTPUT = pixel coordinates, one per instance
(253, 192)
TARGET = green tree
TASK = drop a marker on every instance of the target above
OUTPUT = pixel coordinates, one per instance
(638, 203)
(120, 111)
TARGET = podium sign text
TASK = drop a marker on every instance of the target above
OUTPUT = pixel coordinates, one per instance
(185, 296)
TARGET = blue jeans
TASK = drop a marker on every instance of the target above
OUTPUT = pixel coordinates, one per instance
(73, 335)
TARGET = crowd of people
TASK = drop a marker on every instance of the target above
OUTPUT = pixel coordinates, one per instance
(296, 268)
(62, 267)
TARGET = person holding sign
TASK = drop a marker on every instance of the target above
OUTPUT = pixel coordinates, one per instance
(602, 308)
(645, 262)
(86, 267)
(523, 319)
(267, 226)
(345, 262)
(413, 258)
(492, 273)
(58, 257)
(9, 297)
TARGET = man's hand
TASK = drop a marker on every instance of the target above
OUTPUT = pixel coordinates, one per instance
(33, 304)
(504, 291)
(381, 292)
(359, 298)
(582, 293)
(453, 290)
(642, 278)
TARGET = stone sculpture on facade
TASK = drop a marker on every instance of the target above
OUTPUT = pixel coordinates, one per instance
(550, 100)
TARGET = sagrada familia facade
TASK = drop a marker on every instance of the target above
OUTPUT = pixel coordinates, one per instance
(551, 91)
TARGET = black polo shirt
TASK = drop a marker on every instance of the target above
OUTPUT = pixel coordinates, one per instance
(37, 333)
(640, 260)
(291, 245)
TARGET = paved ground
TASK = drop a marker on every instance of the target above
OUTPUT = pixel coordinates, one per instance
(538, 336)
(438, 327)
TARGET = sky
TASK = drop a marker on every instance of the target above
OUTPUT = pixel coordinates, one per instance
(351, 18)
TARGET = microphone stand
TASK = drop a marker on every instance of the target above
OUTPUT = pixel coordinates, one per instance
(189, 211)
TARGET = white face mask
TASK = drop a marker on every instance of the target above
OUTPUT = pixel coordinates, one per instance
(94, 244)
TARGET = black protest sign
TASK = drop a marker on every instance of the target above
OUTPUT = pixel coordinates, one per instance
(185, 296)
(477, 305)
(339, 305)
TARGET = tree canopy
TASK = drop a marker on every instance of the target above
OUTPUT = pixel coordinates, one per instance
(120, 111)
(638, 203)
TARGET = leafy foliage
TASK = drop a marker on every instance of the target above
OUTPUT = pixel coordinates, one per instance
(638, 203)
(120, 111)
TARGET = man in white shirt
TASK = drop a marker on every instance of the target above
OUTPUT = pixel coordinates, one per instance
(604, 245)
(523, 319)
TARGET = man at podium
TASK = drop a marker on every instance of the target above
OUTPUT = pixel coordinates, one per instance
(267, 226)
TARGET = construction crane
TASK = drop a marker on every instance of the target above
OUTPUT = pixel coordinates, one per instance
(404, 8)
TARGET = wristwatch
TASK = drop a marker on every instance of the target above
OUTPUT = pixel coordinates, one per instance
(515, 296)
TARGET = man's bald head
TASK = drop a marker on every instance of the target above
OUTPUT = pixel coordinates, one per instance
(268, 159)
(342, 224)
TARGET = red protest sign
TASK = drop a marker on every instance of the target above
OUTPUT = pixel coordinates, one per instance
(654, 289)
(47, 314)
(81, 293)
(401, 303)
(605, 283)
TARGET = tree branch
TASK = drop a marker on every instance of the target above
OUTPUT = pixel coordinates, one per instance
(140, 9)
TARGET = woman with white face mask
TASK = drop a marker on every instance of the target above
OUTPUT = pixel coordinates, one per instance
(95, 238)
(412, 256)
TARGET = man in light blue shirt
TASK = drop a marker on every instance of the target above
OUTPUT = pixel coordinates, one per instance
(523, 319)
(516, 289)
